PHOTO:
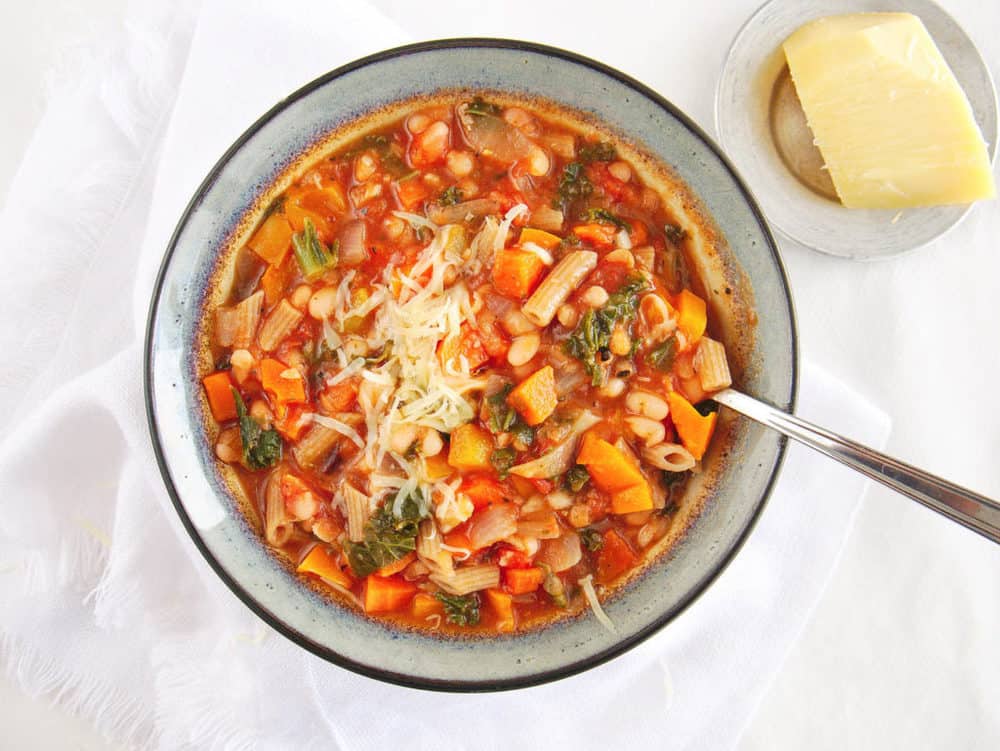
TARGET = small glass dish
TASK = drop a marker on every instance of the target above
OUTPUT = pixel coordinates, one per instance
(756, 108)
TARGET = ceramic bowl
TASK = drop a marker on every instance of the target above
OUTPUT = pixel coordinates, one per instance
(742, 477)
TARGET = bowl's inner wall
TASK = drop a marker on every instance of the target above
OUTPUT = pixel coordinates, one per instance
(256, 163)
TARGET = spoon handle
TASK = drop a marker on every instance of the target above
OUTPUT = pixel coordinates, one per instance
(971, 510)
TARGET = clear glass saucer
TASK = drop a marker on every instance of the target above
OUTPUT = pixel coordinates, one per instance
(743, 103)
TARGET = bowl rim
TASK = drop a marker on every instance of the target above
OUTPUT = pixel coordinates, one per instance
(272, 619)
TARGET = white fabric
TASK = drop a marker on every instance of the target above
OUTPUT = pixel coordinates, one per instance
(107, 607)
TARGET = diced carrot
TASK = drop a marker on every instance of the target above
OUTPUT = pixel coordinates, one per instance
(467, 344)
(539, 237)
(534, 398)
(691, 315)
(272, 239)
(339, 397)
(297, 216)
(411, 193)
(290, 424)
(610, 469)
(636, 498)
(397, 566)
(598, 235)
(482, 490)
(503, 606)
(694, 429)
(219, 390)
(519, 581)
(384, 595)
(470, 448)
(425, 605)
(437, 466)
(516, 272)
(459, 538)
(639, 234)
(329, 199)
(284, 383)
(276, 280)
(614, 558)
(324, 564)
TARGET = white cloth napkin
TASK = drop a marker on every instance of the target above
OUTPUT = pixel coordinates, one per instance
(105, 605)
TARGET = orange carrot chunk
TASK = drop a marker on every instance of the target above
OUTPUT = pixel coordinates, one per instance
(516, 272)
(411, 193)
(425, 605)
(534, 398)
(470, 448)
(386, 594)
(322, 563)
(219, 390)
(520, 581)
(284, 383)
(692, 316)
(503, 607)
(610, 469)
(636, 498)
(540, 238)
(694, 429)
(598, 235)
(272, 239)
(614, 558)
(482, 490)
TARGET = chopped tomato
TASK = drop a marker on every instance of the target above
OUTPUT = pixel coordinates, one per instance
(482, 490)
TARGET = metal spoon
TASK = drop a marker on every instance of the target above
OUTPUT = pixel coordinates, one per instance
(971, 510)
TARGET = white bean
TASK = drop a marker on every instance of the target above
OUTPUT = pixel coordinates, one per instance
(613, 388)
(523, 348)
(364, 167)
(322, 302)
(401, 437)
(538, 162)
(594, 296)
(620, 343)
(227, 453)
(241, 361)
(567, 315)
(517, 323)
(417, 123)
(459, 163)
(650, 432)
(647, 404)
(300, 297)
(621, 256)
(620, 171)
(431, 444)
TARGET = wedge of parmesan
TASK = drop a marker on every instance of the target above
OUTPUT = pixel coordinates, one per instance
(891, 121)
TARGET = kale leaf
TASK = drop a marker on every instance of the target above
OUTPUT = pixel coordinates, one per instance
(592, 539)
(462, 610)
(590, 339)
(662, 357)
(603, 216)
(573, 184)
(597, 152)
(502, 460)
(313, 256)
(450, 196)
(576, 478)
(387, 537)
(261, 448)
(479, 106)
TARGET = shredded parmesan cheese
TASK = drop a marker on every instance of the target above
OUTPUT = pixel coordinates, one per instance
(587, 585)
(539, 251)
(501, 237)
(341, 427)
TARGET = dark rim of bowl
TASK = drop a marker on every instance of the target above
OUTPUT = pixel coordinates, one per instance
(272, 619)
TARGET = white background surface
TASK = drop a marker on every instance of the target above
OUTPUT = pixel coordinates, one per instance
(902, 652)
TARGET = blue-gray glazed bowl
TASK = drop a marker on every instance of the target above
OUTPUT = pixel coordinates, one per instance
(740, 272)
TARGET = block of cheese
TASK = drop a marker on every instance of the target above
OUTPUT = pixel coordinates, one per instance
(892, 123)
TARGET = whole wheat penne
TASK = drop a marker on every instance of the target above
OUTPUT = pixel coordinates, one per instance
(429, 549)
(277, 523)
(356, 504)
(556, 287)
(711, 366)
(283, 319)
(469, 579)
(316, 445)
(669, 456)
(235, 326)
